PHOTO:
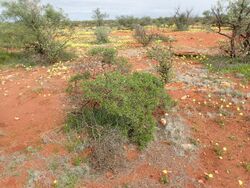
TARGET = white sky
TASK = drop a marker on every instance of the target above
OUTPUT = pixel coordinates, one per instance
(82, 9)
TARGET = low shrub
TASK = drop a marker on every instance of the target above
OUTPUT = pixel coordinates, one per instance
(107, 55)
(102, 34)
(122, 65)
(141, 35)
(123, 102)
(164, 56)
(108, 150)
(182, 20)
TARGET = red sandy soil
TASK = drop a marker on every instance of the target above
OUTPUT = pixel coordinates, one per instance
(26, 113)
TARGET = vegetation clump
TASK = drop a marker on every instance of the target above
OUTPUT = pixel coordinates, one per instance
(102, 34)
(41, 26)
(99, 17)
(108, 55)
(163, 56)
(234, 15)
(141, 35)
(123, 102)
(182, 20)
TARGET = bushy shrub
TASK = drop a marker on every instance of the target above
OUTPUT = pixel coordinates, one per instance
(99, 17)
(164, 56)
(41, 26)
(107, 55)
(141, 35)
(124, 102)
(108, 150)
(126, 22)
(182, 20)
(122, 65)
(102, 34)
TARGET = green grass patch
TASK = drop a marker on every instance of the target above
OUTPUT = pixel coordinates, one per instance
(12, 59)
(225, 64)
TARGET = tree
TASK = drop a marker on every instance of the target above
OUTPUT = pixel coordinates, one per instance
(182, 20)
(43, 25)
(127, 22)
(99, 17)
(235, 15)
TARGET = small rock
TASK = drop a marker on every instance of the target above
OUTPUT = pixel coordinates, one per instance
(188, 147)
(2, 133)
(184, 97)
(201, 181)
(163, 121)
(248, 95)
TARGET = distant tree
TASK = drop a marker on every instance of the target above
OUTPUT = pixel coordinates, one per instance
(182, 20)
(234, 14)
(144, 21)
(99, 17)
(127, 22)
(41, 26)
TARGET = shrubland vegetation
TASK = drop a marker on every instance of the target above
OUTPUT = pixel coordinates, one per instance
(102, 34)
(235, 15)
(182, 20)
(38, 29)
(125, 102)
(163, 55)
(117, 107)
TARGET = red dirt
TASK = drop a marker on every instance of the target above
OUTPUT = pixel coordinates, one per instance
(26, 117)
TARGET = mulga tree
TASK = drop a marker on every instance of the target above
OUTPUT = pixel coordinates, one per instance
(183, 19)
(99, 17)
(234, 14)
(42, 26)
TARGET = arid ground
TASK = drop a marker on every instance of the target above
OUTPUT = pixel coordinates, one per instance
(206, 142)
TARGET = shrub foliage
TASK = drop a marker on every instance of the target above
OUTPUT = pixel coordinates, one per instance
(102, 34)
(164, 57)
(141, 35)
(41, 26)
(108, 55)
(125, 102)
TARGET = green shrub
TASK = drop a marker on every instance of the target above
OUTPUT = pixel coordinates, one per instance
(226, 64)
(102, 34)
(40, 28)
(164, 56)
(122, 65)
(182, 20)
(125, 102)
(11, 59)
(126, 22)
(141, 35)
(107, 55)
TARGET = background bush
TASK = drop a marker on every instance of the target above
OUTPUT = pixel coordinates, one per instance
(182, 20)
(124, 102)
(41, 26)
(107, 55)
(164, 57)
(141, 35)
(102, 34)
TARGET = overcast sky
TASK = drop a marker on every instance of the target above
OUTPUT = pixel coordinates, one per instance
(82, 9)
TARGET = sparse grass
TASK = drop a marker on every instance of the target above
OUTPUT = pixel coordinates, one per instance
(218, 150)
(246, 165)
(12, 59)
(220, 123)
(225, 64)
(21, 59)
